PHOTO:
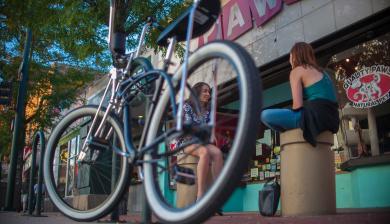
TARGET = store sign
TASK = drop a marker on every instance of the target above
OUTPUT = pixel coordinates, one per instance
(368, 87)
(237, 15)
(236, 19)
(263, 10)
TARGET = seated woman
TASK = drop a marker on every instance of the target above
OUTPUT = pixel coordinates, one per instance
(207, 154)
(311, 83)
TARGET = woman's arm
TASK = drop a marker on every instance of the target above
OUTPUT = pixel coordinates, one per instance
(296, 88)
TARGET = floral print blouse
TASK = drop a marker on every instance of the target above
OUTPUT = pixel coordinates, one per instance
(190, 117)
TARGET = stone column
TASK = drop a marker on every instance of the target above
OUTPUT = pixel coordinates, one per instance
(307, 175)
(373, 132)
(186, 194)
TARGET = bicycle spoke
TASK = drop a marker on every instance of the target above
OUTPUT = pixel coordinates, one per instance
(71, 182)
(100, 180)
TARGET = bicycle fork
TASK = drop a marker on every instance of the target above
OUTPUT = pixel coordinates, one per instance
(101, 128)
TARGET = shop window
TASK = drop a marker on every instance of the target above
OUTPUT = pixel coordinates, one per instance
(362, 77)
(73, 146)
(60, 168)
(265, 163)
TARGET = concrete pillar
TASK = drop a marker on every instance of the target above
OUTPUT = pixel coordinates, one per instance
(344, 140)
(186, 194)
(307, 175)
(373, 132)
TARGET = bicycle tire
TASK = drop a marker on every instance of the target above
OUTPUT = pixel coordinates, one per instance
(243, 145)
(69, 209)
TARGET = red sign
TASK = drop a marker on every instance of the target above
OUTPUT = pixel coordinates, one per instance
(236, 19)
(264, 10)
(369, 87)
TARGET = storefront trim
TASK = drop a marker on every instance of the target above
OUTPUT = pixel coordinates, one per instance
(365, 161)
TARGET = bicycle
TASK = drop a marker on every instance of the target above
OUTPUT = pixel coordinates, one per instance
(108, 152)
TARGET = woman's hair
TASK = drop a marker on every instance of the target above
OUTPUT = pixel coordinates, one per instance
(302, 54)
(194, 98)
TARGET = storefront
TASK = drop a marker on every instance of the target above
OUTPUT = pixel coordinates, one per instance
(351, 41)
(355, 51)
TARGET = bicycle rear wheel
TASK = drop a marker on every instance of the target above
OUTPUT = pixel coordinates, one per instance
(88, 190)
(236, 101)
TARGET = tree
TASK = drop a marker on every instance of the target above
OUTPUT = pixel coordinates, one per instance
(71, 33)
(63, 32)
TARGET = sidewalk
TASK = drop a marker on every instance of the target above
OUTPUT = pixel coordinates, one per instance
(345, 218)
(228, 218)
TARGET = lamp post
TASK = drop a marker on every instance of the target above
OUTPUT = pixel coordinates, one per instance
(18, 135)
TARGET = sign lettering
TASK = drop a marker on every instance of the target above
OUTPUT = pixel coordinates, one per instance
(236, 18)
(368, 87)
(264, 10)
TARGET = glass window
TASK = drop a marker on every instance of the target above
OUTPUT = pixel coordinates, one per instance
(72, 165)
(265, 163)
(362, 78)
(60, 167)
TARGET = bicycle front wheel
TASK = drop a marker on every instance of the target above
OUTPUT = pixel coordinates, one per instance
(235, 112)
(87, 190)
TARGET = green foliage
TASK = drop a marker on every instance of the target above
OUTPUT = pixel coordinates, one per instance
(134, 13)
(54, 91)
(5, 126)
(63, 31)
(72, 34)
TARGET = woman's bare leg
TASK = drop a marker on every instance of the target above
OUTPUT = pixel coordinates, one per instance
(216, 158)
(203, 166)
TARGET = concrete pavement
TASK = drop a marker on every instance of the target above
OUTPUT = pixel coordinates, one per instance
(382, 217)
(20, 218)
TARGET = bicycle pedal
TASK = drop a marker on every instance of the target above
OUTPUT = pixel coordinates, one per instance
(184, 175)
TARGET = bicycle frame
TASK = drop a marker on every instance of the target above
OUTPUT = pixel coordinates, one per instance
(118, 78)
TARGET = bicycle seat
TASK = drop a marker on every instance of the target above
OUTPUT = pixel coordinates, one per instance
(206, 14)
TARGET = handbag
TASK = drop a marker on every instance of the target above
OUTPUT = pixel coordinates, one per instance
(269, 198)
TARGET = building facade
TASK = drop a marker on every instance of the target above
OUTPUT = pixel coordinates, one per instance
(351, 42)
